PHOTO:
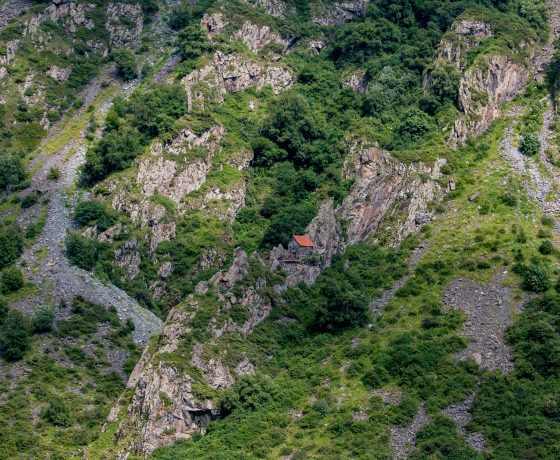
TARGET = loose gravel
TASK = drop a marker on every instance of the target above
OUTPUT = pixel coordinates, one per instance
(488, 311)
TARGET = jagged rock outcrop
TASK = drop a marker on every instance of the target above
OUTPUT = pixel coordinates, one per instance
(325, 232)
(124, 23)
(11, 49)
(257, 37)
(465, 35)
(382, 182)
(213, 23)
(340, 12)
(356, 81)
(59, 74)
(231, 73)
(165, 406)
(128, 258)
(276, 8)
(11, 9)
(383, 186)
(493, 80)
(488, 82)
(71, 15)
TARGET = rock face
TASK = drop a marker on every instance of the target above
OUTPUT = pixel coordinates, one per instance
(490, 81)
(383, 186)
(231, 73)
(257, 37)
(213, 24)
(381, 183)
(465, 35)
(176, 179)
(276, 8)
(341, 12)
(72, 16)
(484, 86)
(124, 23)
(58, 73)
(165, 406)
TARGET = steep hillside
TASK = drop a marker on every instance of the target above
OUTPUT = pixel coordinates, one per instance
(159, 159)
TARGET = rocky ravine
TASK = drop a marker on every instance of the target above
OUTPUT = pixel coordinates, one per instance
(51, 272)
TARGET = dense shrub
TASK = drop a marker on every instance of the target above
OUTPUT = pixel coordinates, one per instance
(11, 171)
(57, 413)
(94, 213)
(3, 309)
(546, 247)
(303, 133)
(444, 78)
(530, 144)
(414, 125)
(192, 42)
(85, 318)
(535, 278)
(54, 174)
(43, 319)
(14, 336)
(126, 64)
(82, 252)
(289, 221)
(11, 245)
(155, 111)
(12, 280)
(29, 200)
(114, 152)
(180, 16)
(343, 307)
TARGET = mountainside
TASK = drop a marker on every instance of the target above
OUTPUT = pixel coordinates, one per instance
(279, 229)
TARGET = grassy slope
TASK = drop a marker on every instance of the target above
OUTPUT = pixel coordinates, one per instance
(306, 373)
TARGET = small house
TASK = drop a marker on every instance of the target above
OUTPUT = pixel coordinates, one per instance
(301, 246)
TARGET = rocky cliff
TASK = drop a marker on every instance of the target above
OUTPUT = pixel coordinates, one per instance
(493, 77)
(484, 87)
(164, 406)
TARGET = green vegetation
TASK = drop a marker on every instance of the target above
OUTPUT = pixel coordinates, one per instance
(11, 244)
(94, 213)
(70, 402)
(43, 319)
(530, 144)
(11, 280)
(11, 171)
(131, 124)
(322, 351)
(14, 336)
(126, 64)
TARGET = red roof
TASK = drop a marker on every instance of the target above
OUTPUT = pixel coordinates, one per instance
(304, 241)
